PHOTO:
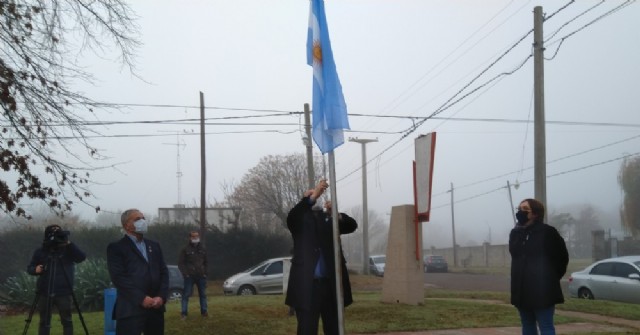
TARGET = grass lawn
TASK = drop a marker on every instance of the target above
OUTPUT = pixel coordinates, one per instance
(268, 315)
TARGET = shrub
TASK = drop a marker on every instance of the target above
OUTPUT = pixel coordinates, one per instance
(19, 291)
(91, 278)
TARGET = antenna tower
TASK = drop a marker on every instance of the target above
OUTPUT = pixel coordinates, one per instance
(178, 144)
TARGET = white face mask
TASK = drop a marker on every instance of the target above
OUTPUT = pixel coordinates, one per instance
(195, 240)
(140, 226)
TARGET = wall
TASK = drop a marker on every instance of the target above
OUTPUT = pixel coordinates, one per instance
(485, 255)
(606, 248)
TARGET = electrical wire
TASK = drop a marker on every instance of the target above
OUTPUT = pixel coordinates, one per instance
(548, 176)
(561, 41)
(451, 102)
(407, 94)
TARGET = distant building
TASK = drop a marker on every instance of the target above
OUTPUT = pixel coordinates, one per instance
(220, 217)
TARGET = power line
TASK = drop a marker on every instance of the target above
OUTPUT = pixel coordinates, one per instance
(549, 162)
(573, 19)
(405, 117)
(112, 104)
(451, 102)
(549, 176)
(407, 94)
(561, 41)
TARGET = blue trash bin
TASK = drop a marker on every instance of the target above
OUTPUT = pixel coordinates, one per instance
(109, 302)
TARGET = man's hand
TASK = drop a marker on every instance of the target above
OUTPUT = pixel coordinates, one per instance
(157, 302)
(148, 302)
(319, 189)
(39, 268)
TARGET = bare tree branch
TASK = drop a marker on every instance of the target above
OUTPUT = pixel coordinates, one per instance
(37, 69)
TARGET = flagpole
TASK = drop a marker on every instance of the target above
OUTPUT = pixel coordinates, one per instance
(337, 259)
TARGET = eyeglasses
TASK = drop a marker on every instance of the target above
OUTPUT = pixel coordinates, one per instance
(524, 210)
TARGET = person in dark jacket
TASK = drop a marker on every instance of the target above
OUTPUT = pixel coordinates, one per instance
(141, 277)
(54, 264)
(539, 259)
(312, 278)
(192, 263)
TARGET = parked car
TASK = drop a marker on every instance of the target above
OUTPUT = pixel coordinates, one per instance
(435, 263)
(264, 278)
(615, 279)
(176, 283)
(376, 264)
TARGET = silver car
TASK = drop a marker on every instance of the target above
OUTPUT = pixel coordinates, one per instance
(377, 264)
(264, 278)
(615, 279)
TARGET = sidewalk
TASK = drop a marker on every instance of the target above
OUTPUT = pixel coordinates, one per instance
(569, 328)
(594, 323)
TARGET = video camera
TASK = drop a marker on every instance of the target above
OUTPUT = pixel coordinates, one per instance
(56, 237)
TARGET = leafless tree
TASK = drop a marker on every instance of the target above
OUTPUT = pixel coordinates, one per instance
(269, 190)
(629, 180)
(43, 117)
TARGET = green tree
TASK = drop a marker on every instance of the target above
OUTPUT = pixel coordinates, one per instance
(629, 180)
(40, 112)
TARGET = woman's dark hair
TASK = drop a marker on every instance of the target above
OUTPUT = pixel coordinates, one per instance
(537, 208)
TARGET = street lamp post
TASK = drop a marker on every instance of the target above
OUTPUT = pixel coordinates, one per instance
(365, 209)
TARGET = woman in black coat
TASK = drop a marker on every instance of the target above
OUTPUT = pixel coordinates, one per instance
(539, 259)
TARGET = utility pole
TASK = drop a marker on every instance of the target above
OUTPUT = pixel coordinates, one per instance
(453, 231)
(513, 213)
(203, 173)
(308, 142)
(539, 148)
(365, 208)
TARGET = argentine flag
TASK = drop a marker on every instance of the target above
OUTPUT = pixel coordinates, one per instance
(328, 107)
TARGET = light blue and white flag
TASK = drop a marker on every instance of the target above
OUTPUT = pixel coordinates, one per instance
(328, 108)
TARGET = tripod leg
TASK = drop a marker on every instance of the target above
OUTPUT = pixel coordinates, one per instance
(28, 320)
(75, 301)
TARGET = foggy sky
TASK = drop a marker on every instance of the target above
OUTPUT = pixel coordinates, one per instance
(402, 58)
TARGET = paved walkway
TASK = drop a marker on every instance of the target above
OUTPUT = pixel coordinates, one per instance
(593, 323)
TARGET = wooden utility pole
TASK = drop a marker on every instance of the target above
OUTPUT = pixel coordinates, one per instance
(203, 173)
(453, 231)
(309, 144)
(513, 209)
(539, 148)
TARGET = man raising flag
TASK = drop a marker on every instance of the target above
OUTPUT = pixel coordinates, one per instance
(318, 264)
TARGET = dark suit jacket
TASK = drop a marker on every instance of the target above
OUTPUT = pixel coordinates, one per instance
(134, 277)
(312, 234)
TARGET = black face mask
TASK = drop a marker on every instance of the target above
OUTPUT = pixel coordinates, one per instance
(521, 216)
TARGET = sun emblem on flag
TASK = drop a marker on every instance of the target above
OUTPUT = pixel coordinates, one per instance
(317, 52)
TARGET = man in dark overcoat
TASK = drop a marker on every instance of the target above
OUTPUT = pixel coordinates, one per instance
(312, 279)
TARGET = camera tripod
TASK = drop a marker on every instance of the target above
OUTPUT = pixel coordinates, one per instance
(53, 259)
